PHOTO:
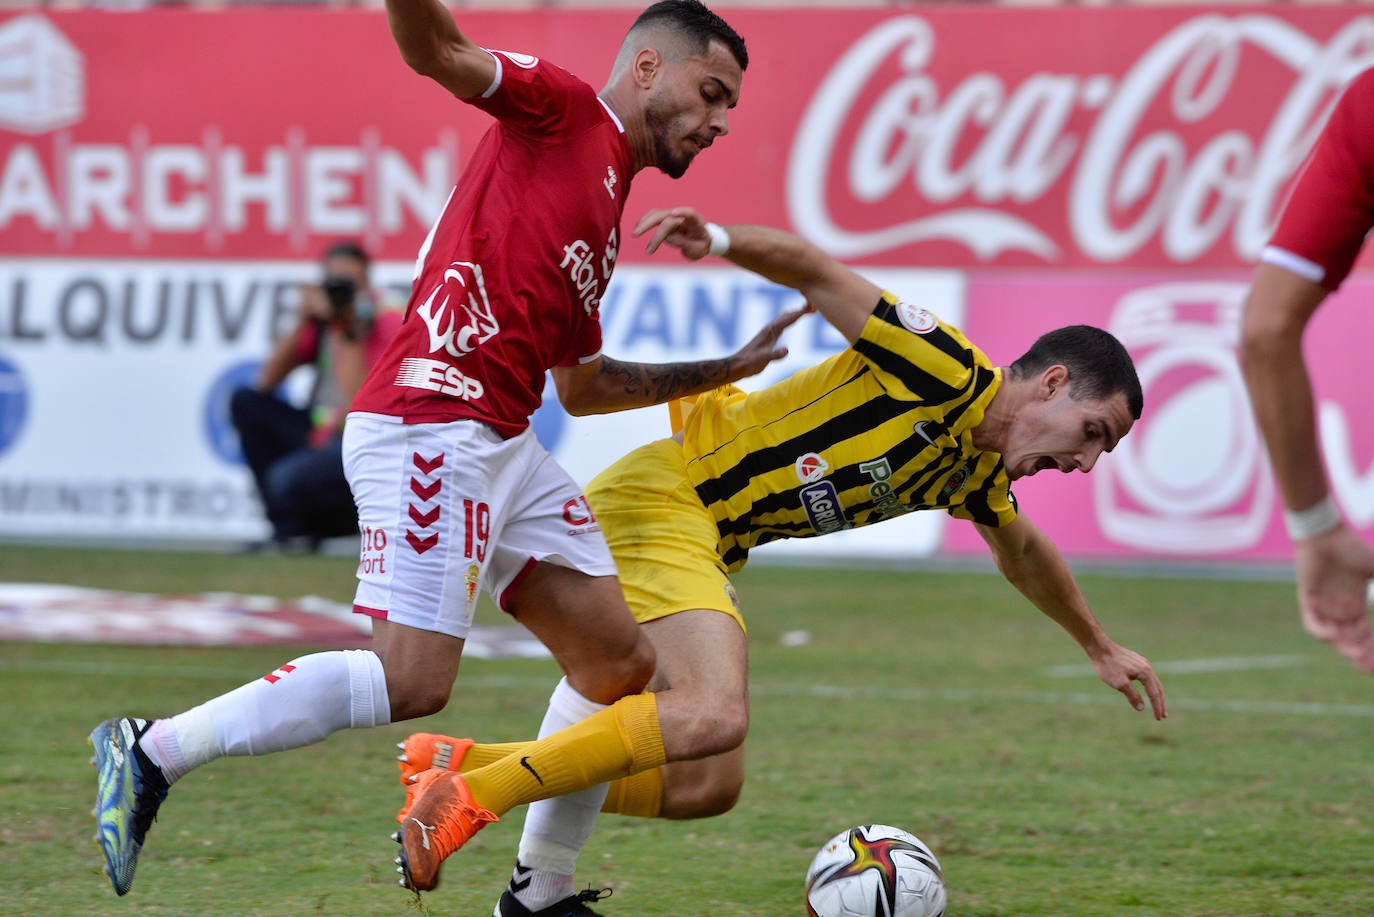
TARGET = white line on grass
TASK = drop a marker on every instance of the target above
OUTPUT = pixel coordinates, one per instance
(1105, 697)
(1195, 666)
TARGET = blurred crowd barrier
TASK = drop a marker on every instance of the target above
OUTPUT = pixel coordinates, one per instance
(167, 180)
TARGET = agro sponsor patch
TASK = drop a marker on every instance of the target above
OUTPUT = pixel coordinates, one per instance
(822, 505)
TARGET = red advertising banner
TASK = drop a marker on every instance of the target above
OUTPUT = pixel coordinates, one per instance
(168, 178)
(1063, 137)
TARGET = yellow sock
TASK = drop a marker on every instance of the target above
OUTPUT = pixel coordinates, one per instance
(640, 794)
(482, 754)
(621, 740)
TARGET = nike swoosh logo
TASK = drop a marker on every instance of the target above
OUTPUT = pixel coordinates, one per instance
(920, 429)
(525, 763)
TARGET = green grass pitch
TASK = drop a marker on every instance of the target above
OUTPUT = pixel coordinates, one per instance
(941, 703)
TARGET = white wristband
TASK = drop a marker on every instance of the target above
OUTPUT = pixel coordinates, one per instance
(720, 239)
(1318, 519)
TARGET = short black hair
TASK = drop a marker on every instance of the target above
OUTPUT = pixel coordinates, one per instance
(1099, 366)
(693, 20)
(347, 249)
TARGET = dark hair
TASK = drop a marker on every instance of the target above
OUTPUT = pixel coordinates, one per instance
(694, 21)
(347, 249)
(1098, 364)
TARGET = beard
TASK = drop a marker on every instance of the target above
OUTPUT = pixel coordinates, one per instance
(672, 164)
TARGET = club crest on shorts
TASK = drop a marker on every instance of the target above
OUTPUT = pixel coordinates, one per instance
(471, 581)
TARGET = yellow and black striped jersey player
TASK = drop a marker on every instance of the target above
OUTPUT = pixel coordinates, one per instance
(911, 416)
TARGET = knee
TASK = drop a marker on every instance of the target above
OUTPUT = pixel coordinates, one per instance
(718, 728)
(420, 667)
(702, 792)
(279, 484)
(413, 700)
(409, 694)
(714, 800)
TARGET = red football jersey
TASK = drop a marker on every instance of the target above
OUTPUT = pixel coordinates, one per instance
(1331, 207)
(509, 280)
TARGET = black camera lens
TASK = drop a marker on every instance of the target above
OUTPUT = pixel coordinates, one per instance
(340, 291)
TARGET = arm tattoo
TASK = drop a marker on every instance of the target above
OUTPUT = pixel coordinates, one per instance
(654, 383)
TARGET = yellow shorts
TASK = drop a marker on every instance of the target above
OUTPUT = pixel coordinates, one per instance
(664, 542)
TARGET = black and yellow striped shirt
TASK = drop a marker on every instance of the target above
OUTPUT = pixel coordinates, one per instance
(880, 429)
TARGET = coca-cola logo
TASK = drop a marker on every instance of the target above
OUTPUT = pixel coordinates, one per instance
(1176, 157)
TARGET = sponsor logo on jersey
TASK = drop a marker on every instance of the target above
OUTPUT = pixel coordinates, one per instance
(811, 467)
(610, 181)
(438, 376)
(885, 500)
(577, 513)
(822, 505)
(915, 319)
(580, 262)
(457, 313)
(954, 484)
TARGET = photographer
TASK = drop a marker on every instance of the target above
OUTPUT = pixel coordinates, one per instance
(295, 453)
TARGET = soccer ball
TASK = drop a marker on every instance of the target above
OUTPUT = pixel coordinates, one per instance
(875, 871)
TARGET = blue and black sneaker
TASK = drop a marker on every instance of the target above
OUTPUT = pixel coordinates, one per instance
(129, 789)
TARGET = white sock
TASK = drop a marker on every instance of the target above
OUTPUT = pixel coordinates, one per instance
(556, 829)
(297, 704)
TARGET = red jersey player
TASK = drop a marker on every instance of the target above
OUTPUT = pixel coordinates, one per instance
(454, 493)
(1321, 231)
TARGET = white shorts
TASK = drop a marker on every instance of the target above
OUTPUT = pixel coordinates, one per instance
(448, 509)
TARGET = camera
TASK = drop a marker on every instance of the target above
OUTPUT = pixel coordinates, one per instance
(340, 291)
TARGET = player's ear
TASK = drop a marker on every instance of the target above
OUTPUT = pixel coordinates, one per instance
(647, 66)
(1053, 380)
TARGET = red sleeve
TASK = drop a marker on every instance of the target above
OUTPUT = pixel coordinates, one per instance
(585, 343)
(1331, 208)
(535, 97)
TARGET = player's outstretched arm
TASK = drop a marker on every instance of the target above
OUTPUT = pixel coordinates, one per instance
(1031, 563)
(1277, 310)
(838, 293)
(432, 46)
(606, 384)
(1333, 565)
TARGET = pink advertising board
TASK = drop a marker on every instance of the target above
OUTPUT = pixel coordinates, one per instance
(1191, 480)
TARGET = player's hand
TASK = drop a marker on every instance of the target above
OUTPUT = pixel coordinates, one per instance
(764, 348)
(1334, 571)
(681, 227)
(314, 305)
(1119, 667)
